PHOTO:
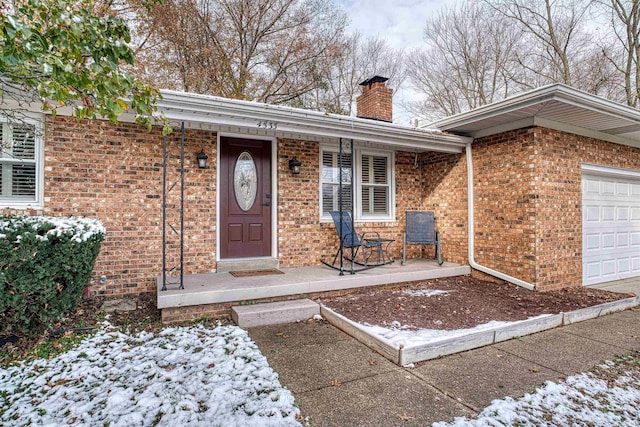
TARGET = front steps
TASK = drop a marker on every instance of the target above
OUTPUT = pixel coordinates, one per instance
(246, 264)
(273, 313)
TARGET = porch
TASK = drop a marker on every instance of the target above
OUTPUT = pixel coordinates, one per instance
(216, 288)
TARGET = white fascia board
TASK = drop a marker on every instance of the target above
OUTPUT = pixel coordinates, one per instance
(413, 143)
(555, 92)
(224, 112)
(498, 108)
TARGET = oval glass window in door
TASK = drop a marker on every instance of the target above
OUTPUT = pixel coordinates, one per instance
(245, 181)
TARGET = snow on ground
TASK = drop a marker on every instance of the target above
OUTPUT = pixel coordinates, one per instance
(583, 399)
(408, 336)
(180, 376)
(425, 292)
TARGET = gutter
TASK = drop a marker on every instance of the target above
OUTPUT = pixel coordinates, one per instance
(470, 211)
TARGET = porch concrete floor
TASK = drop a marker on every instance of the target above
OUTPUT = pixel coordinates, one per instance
(214, 288)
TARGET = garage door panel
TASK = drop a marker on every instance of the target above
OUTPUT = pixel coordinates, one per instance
(622, 189)
(610, 228)
(624, 265)
(622, 240)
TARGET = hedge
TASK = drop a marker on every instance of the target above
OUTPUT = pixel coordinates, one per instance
(45, 264)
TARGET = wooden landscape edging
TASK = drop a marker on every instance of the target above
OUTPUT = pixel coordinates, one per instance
(446, 346)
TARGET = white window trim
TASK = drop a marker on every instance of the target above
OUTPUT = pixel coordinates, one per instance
(359, 151)
(38, 201)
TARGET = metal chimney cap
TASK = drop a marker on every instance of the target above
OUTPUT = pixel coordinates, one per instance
(374, 79)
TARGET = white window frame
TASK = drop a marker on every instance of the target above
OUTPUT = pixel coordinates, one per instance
(17, 202)
(359, 152)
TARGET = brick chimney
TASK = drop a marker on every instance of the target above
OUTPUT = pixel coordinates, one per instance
(375, 101)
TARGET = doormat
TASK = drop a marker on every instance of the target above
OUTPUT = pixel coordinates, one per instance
(252, 273)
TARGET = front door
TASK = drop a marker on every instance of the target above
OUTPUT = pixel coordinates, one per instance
(245, 198)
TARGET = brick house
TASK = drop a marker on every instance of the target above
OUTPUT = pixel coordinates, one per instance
(555, 187)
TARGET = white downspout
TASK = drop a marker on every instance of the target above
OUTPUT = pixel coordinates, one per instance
(472, 261)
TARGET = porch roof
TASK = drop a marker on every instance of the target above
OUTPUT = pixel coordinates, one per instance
(258, 119)
(555, 106)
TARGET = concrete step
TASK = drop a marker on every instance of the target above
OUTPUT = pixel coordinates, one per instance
(246, 264)
(273, 313)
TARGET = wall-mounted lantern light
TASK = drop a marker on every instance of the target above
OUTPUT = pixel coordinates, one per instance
(202, 159)
(294, 165)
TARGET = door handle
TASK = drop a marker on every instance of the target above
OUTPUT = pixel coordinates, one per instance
(266, 204)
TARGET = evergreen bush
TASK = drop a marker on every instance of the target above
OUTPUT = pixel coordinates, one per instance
(45, 264)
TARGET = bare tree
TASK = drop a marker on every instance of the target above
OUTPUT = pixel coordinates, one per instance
(556, 26)
(358, 59)
(468, 60)
(621, 45)
(266, 50)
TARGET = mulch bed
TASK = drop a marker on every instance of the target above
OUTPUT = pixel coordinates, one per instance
(469, 302)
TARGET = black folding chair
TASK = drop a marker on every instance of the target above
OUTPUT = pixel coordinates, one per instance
(420, 230)
(371, 247)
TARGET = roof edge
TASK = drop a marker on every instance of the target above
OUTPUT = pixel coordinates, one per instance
(558, 92)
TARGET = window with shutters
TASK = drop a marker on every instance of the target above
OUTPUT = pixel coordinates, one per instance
(21, 165)
(373, 183)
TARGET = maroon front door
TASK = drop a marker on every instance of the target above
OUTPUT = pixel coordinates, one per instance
(245, 198)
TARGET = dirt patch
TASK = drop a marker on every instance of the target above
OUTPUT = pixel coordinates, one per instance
(460, 303)
(77, 324)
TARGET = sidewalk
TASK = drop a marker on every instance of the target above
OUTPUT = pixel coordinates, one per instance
(340, 382)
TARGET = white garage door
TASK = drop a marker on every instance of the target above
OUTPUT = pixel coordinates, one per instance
(610, 228)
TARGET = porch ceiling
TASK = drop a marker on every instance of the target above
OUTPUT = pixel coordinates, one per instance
(557, 107)
(252, 118)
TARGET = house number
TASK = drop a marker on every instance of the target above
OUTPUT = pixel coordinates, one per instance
(267, 125)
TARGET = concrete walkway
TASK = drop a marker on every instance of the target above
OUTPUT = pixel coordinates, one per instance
(340, 382)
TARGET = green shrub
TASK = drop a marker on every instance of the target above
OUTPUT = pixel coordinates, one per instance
(45, 264)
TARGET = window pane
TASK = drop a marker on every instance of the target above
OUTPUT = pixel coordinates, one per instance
(346, 199)
(374, 169)
(375, 200)
(379, 170)
(327, 166)
(331, 201)
(380, 200)
(24, 142)
(330, 167)
(23, 180)
(327, 198)
(366, 169)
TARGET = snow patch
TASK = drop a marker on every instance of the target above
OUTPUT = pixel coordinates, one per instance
(425, 292)
(581, 399)
(181, 376)
(79, 229)
(406, 336)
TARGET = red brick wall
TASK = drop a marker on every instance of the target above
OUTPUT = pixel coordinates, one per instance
(445, 193)
(528, 201)
(302, 238)
(505, 203)
(114, 173)
(375, 102)
(559, 207)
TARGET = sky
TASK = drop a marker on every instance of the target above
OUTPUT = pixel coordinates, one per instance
(401, 23)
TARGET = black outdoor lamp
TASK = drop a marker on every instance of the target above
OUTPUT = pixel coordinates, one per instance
(202, 159)
(294, 165)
